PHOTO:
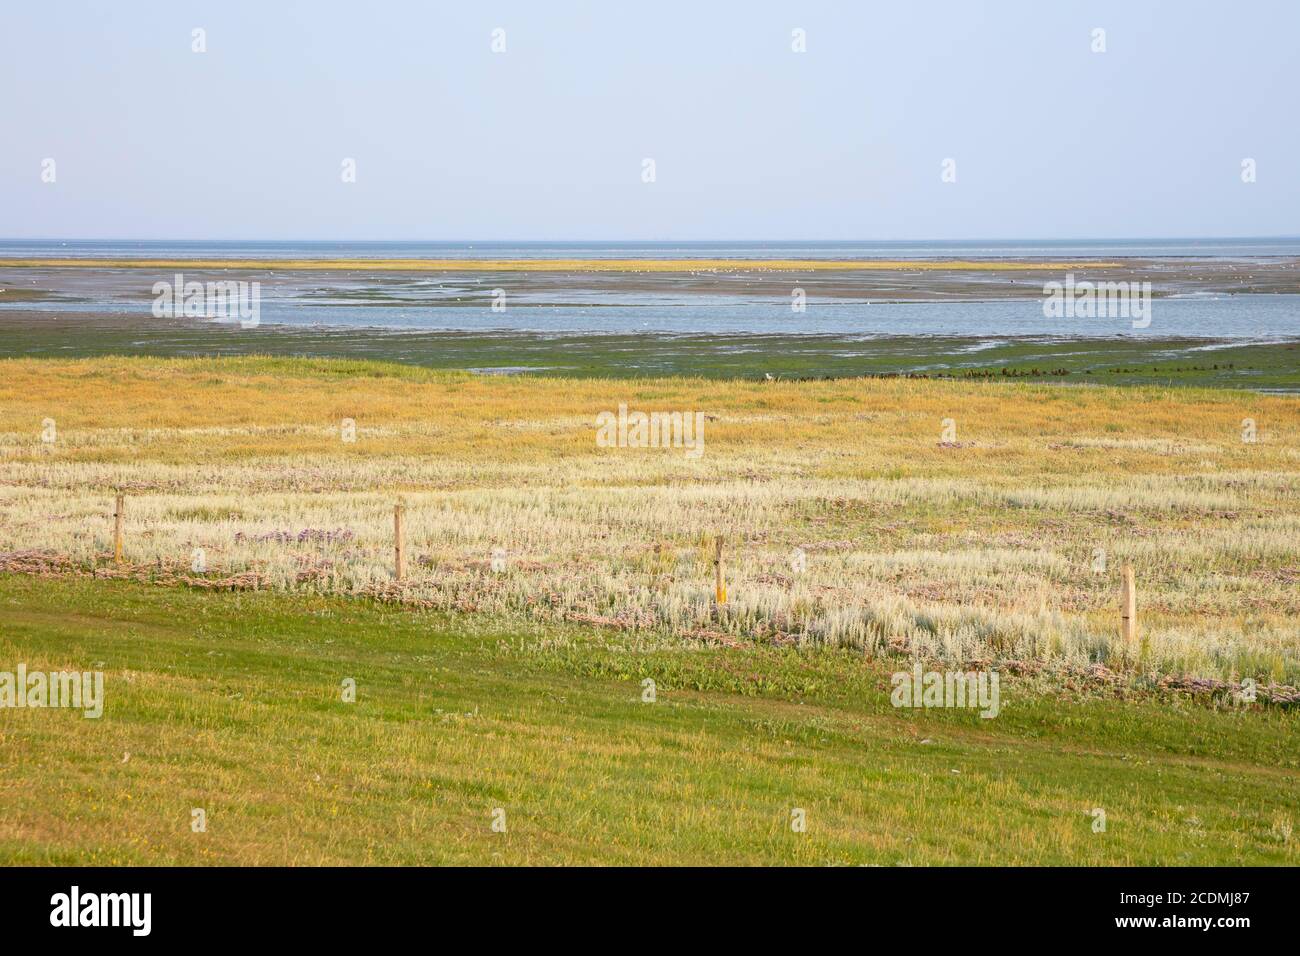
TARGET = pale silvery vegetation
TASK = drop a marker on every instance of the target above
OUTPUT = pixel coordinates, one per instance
(975, 554)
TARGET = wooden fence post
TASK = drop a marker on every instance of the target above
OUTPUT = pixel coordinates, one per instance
(119, 516)
(399, 552)
(720, 581)
(1128, 614)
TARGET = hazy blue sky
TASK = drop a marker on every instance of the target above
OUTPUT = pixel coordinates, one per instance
(750, 140)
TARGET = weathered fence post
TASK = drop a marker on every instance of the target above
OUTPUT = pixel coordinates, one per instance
(1128, 614)
(399, 552)
(119, 516)
(720, 581)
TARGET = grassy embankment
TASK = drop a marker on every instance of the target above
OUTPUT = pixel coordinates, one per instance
(232, 703)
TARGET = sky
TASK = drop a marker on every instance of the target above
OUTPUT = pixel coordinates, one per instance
(750, 139)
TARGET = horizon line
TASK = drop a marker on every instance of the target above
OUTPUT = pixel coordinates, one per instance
(734, 241)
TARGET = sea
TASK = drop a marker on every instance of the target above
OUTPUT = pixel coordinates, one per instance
(463, 302)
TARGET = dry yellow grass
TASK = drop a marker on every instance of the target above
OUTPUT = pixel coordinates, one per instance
(982, 549)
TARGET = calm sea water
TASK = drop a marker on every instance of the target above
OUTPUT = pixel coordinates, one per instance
(462, 303)
(1265, 318)
(1101, 248)
(1257, 317)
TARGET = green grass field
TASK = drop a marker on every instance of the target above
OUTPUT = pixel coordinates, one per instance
(232, 703)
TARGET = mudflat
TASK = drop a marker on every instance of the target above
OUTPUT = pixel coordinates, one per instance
(877, 280)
